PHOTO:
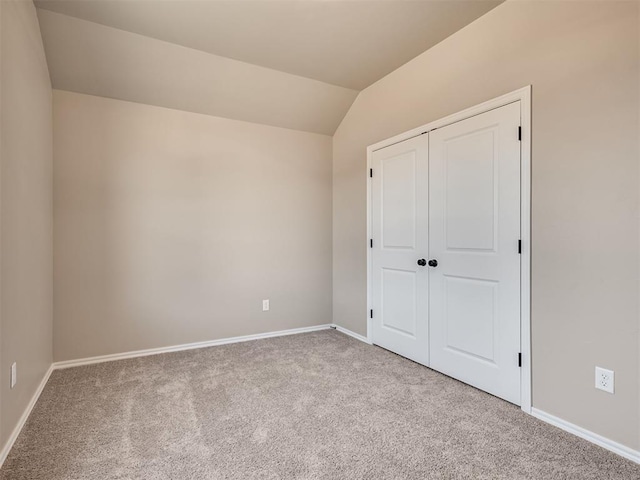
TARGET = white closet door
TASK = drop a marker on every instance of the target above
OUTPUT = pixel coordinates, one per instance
(400, 242)
(474, 229)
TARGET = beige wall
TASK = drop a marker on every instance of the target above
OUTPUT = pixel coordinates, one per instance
(582, 60)
(171, 227)
(25, 212)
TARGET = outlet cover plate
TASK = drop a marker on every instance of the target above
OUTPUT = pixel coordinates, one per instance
(14, 374)
(604, 379)
(265, 305)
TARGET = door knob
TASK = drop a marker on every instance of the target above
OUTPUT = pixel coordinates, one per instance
(433, 263)
(422, 262)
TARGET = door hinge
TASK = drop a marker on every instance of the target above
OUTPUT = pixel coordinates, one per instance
(520, 133)
(520, 246)
(371, 172)
(371, 243)
(371, 313)
(519, 359)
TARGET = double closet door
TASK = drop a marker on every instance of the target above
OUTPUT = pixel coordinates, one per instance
(445, 279)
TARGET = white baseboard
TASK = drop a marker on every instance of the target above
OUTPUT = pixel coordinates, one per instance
(186, 346)
(592, 437)
(23, 419)
(355, 335)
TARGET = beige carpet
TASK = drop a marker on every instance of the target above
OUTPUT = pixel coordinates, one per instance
(312, 406)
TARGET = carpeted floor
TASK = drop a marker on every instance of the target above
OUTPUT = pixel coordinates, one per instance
(310, 406)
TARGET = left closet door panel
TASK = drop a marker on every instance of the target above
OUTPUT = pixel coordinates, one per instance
(400, 231)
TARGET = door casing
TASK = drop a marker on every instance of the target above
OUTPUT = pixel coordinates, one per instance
(522, 95)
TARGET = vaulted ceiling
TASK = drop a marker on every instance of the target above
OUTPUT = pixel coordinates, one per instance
(290, 63)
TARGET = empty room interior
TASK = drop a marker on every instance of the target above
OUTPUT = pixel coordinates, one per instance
(319, 239)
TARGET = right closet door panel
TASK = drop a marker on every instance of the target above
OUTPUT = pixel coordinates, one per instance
(474, 230)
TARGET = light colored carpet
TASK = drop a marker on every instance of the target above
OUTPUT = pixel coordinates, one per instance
(311, 406)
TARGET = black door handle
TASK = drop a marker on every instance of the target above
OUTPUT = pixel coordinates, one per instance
(422, 262)
(433, 263)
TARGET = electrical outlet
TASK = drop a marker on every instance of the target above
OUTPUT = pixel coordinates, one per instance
(265, 305)
(14, 374)
(604, 379)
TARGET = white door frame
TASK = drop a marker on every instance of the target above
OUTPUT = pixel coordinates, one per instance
(523, 96)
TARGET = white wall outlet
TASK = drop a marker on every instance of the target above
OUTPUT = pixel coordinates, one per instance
(265, 305)
(14, 374)
(604, 379)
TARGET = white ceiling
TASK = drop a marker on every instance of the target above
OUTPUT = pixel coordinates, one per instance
(346, 43)
(291, 63)
(85, 57)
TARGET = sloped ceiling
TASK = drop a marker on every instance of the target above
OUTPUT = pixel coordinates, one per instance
(85, 57)
(291, 63)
